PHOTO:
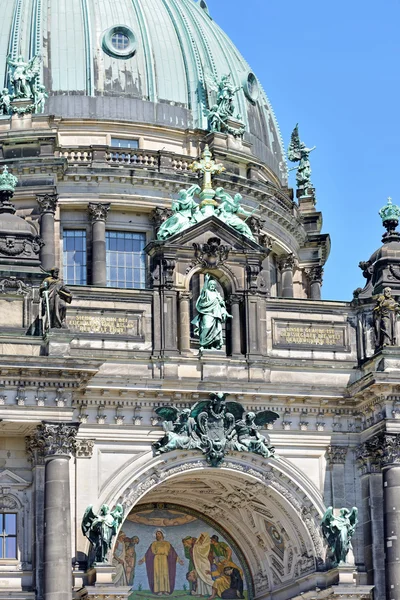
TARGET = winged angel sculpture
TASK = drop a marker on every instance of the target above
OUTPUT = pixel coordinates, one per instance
(23, 78)
(224, 108)
(338, 531)
(298, 152)
(100, 529)
(215, 427)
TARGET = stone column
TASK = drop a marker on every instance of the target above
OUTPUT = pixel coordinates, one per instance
(47, 206)
(184, 322)
(336, 459)
(236, 325)
(56, 442)
(98, 216)
(315, 276)
(372, 517)
(287, 264)
(391, 507)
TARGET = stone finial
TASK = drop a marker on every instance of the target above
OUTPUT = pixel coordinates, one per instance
(47, 203)
(390, 214)
(8, 182)
(98, 211)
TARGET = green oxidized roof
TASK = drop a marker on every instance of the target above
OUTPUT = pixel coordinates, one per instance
(164, 82)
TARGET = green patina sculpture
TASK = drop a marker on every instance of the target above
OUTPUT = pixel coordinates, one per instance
(298, 152)
(338, 531)
(185, 213)
(218, 203)
(220, 113)
(228, 212)
(100, 529)
(212, 313)
(214, 427)
(23, 79)
(390, 214)
(8, 182)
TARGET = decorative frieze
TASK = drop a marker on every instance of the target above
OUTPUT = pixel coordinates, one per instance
(84, 448)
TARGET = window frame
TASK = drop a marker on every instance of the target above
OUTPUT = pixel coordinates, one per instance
(143, 233)
(65, 231)
(4, 536)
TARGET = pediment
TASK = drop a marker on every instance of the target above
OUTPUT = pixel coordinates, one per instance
(10, 479)
(201, 232)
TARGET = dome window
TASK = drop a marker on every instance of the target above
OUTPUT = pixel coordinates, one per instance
(119, 42)
(251, 87)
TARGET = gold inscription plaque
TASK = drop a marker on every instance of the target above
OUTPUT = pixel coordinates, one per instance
(105, 324)
(310, 335)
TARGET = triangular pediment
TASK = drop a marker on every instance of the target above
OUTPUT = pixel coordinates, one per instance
(10, 479)
(201, 232)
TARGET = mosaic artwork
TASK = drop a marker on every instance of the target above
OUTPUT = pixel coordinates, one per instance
(166, 550)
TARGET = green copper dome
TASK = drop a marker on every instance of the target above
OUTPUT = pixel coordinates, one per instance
(145, 61)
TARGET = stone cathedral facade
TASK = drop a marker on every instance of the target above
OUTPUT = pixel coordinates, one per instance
(104, 110)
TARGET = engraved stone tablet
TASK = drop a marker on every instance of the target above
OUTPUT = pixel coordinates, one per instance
(310, 335)
(106, 323)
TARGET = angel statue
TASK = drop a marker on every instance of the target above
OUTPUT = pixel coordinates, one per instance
(185, 212)
(224, 109)
(100, 529)
(298, 152)
(229, 211)
(339, 530)
(179, 429)
(212, 313)
(24, 76)
(246, 436)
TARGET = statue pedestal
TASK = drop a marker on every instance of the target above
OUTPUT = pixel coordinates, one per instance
(57, 342)
(100, 575)
(21, 113)
(307, 200)
(347, 574)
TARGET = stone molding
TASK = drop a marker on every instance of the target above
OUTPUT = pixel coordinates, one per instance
(8, 502)
(98, 211)
(47, 203)
(52, 439)
(336, 455)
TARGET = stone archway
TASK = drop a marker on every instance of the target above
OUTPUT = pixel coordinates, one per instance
(267, 507)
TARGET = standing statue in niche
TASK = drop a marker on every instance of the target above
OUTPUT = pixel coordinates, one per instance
(185, 214)
(55, 299)
(5, 102)
(298, 152)
(229, 211)
(385, 317)
(100, 529)
(339, 530)
(212, 313)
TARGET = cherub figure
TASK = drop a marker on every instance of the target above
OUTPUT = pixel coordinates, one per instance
(40, 99)
(298, 152)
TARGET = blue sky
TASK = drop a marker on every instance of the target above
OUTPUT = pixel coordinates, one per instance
(334, 68)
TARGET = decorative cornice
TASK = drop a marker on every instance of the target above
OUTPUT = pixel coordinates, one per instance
(52, 439)
(336, 455)
(98, 211)
(47, 203)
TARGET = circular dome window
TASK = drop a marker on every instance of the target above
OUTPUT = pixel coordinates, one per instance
(119, 42)
(251, 87)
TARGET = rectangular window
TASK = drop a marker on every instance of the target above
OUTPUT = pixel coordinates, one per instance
(124, 143)
(126, 260)
(8, 535)
(74, 256)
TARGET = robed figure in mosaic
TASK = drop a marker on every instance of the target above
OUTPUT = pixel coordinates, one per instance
(161, 558)
(212, 313)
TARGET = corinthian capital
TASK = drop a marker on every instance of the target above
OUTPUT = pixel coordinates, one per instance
(52, 439)
(98, 211)
(47, 203)
(287, 262)
(336, 455)
(315, 274)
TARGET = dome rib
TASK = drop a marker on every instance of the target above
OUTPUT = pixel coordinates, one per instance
(148, 51)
